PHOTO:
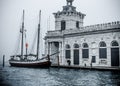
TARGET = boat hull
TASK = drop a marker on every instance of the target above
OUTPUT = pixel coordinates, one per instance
(32, 64)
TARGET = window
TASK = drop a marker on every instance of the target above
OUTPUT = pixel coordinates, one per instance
(63, 25)
(102, 44)
(67, 51)
(67, 46)
(85, 51)
(85, 45)
(102, 50)
(67, 54)
(93, 59)
(77, 24)
(102, 53)
(76, 46)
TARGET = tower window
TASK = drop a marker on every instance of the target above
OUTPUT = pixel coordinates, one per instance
(77, 24)
(63, 25)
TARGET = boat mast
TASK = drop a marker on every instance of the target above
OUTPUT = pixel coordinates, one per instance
(38, 41)
(22, 36)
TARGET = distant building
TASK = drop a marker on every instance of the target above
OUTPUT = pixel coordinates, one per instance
(82, 45)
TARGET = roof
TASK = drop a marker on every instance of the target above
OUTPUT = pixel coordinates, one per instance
(86, 30)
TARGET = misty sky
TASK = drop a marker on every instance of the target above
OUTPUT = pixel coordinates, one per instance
(97, 11)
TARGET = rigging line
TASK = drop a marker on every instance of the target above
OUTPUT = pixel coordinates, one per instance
(25, 36)
(48, 24)
(19, 36)
(25, 39)
(34, 41)
(41, 42)
(18, 44)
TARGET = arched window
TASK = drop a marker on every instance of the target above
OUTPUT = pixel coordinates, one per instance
(76, 54)
(85, 45)
(63, 25)
(102, 44)
(115, 43)
(102, 50)
(67, 51)
(76, 46)
(67, 46)
(85, 51)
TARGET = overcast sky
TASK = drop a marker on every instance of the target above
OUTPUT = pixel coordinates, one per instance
(97, 11)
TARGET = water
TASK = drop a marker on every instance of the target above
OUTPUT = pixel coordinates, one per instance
(12, 76)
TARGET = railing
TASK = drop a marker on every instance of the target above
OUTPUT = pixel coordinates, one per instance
(54, 33)
(103, 26)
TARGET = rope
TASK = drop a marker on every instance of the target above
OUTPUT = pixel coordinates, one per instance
(18, 44)
(33, 43)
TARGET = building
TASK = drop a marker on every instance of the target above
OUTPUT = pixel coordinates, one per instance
(96, 45)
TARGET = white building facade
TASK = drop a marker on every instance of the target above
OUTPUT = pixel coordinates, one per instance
(96, 45)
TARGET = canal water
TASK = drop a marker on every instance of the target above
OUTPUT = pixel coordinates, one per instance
(13, 76)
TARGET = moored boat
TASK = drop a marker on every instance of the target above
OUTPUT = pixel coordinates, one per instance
(30, 63)
(22, 60)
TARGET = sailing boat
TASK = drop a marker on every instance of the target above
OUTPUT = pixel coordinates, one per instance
(23, 61)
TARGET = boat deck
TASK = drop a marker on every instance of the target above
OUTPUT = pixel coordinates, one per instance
(88, 67)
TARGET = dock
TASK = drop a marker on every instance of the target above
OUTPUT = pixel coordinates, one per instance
(100, 68)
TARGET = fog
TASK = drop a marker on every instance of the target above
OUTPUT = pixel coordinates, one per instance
(97, 11)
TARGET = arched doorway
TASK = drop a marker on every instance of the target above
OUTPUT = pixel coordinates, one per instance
(115, 54)
(76, 54)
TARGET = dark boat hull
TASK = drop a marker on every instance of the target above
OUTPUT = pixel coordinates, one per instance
(45, 64)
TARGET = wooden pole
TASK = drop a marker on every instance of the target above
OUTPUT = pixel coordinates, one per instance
(58, 62)
(26, 52)
(3, 60)
(48, 48)
(38, 41)
(22, 37)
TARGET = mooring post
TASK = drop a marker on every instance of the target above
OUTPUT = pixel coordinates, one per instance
(58, 61)
(3, 60)
(91, 64)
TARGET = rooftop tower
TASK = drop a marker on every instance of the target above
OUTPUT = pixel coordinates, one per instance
(68, 18)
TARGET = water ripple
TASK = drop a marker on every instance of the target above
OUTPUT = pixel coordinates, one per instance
(12, 76)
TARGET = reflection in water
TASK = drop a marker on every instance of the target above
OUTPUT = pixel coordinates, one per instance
(12, 76)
